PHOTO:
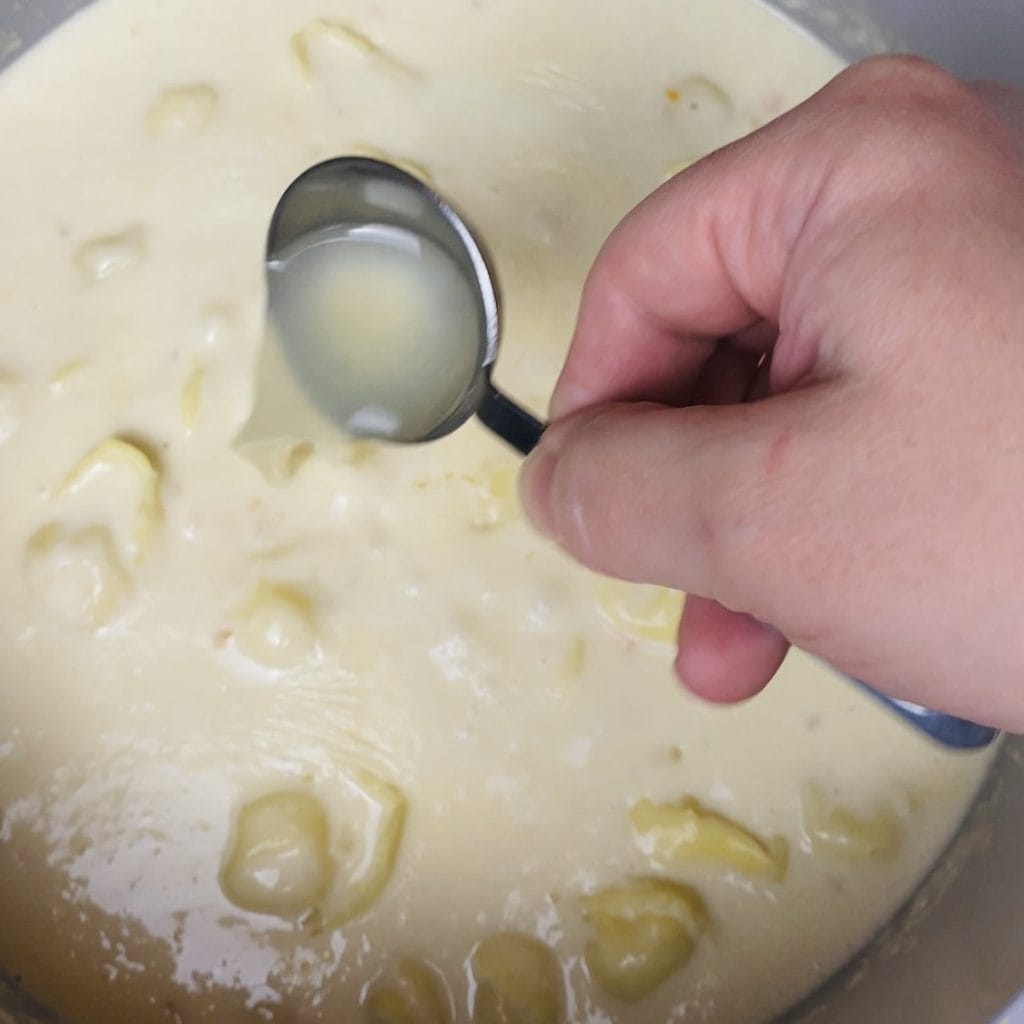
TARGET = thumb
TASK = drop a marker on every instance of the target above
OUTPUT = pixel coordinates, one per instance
(711, 500)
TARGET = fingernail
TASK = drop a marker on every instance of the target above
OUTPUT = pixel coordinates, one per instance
(535, 488)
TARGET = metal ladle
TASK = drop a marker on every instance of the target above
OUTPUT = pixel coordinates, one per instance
(356, 191)
(351, 191)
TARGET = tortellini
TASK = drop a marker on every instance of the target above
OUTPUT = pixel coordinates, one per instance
(639, 611)
(122, 466)
(279, 862)
(328, 32)
(323, 29)
(675, 834)
(294, 855)
(77, 573)
(517, 981)
(370, 838)
(644, 930)
(182, 109)
(837, 831)
(276, 628)
(411, 993)
(104, 257)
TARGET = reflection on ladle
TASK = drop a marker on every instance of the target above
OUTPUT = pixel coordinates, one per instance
(384, 307)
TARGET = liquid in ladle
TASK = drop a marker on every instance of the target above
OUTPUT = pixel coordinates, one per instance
(379, 326)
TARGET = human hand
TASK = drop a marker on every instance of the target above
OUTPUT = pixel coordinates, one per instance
(857, 268)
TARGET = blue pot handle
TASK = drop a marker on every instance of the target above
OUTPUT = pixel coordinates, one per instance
(956, 733)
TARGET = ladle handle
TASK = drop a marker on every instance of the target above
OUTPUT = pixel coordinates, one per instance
(509, 421)
(521, 430)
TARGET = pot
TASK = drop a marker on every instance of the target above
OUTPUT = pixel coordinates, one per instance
(954, 954)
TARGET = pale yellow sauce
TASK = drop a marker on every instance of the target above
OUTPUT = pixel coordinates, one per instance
(381, 330)
(340, 738)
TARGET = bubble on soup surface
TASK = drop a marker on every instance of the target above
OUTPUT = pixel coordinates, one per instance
(838, 832)
(639, 611)
(104, 257)
(644, 931)
(675, 834)
(277, 627)
(517, 981)
(76, 574)
(182, 109)
(116, 463)
(279, 862)
(411, 992)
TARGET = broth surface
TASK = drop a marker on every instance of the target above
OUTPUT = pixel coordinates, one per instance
(338, 738)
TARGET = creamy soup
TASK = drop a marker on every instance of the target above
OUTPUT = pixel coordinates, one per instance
(331, 735)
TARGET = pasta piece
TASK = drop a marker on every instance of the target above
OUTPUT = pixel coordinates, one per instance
(279, 862)
(104, 257)
(371, 848)
(118, 457)
(838, 832)
(333, 31)
(641, 612)
(183, 109)
(328, 32)
(676, 834)
(644, 931)
(277, 628)
(192, 399)
(77, 574)
(412, 993)
(278, 461)
(517, 982)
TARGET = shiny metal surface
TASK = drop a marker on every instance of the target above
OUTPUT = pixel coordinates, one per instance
(353, 190)
(955, 955)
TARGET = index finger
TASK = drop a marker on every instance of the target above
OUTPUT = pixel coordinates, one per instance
(703, 257)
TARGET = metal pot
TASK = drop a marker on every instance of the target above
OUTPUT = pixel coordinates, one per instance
(955, 954)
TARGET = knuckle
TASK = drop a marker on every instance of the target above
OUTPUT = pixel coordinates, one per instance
(907, 125)
(907, 79)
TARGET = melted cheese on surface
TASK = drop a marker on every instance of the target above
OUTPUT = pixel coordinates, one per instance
(339, 737)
